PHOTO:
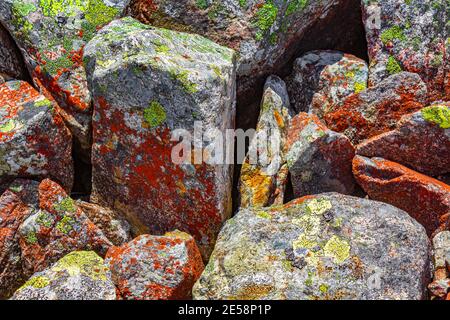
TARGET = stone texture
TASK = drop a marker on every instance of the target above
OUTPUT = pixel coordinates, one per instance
(412, 36)
(11, 62)
(156, 267)
(441, 258)
(420, 141)
(263, 179)
(34, 142)
(52, 35)
(319, 160)
(378, 109)
(425, 199)
(80, 275)
(146, 82)
(321, 79)
(328, 246)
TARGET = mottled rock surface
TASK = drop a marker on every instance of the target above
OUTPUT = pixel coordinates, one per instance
(156, 267)
(146, 82)
(263, 178)
(412, 36)
(80, 275)
(322, 79)
(425, 199)
(378, 109)
(421, 141)
(34, 142)
(11, 62)
(441, 258)
(327, 246)
(319, 160)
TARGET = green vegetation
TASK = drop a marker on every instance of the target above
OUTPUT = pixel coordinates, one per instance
(393, 66)
(438, 114)
(155, 115)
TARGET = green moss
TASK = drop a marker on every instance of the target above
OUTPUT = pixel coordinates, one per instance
(391, 34)
(337, 249)
(22, 9)
(66, 205)
(202, 4)
(9, 126)
(438, 114)
(265, 18)
(65, 225)
(243, 3)
(296, 5)
(392, 66)
(155, 115)
(37, 282)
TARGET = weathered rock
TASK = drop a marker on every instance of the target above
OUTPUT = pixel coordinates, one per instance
(321, 79)
(80, 275)
(145, 83)
(114, 227)
(52, 35)
(421, 141)
(156, 267)
(425, 199)
(411, 36)
(319, 160)
(378, 109)
(11, 64)
(441, 256)
(34, 142)
(262, 177)
(328, 246)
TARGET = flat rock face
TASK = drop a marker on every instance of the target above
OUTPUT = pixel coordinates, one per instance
(11, 64)
(145, 83)
(156, 267)
(322, 79)
(52, 35)
(425, 199)
(80, 275)
(319, 160)
(263, 176)
(378, 109)
(34, 142)
(412, 36)
(421, 141)
(327, 246)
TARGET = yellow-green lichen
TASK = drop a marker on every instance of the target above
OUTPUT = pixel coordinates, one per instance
(31, 237)
(437, 114)
(43, 103)
(9, 126)
(182, 76)
(37, 282)
(154, 114)
(391, 34)
(304, 242)
(359, 86)
(318, 206)
(44, 219)
(87, 263)
(265, 18)
(337, 249)
(393, 66)
(65, 225)
(66, 205)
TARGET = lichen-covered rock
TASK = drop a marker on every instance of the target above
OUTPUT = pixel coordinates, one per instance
(425, 199)
(114, 227)
(441, 258)
(34, 142)
(52, 35)
(156, 267)
(263, 179)
(145, 83)
(421, 141)
(328, 246)
(412, 37)
(322, 79)
(11, 64)
(319, 160)
(80, 275)
(378, 109)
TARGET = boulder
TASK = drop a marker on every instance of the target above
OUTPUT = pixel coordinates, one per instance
(147, 82)
(420, 141)
(156, 267)
(34, 142)
(327, 246)
(441, 258)
(11, 61)
(319, 160)
(425, 199)
(80, 275)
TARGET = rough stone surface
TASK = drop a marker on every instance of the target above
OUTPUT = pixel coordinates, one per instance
(146, 82)
(263, 179)
(320, 80)
(52, 35)
(80, 275)
(412, 36)
(11, 62)
(156, 267)
(427, 200)
(421, 141)
(34, 142)
(327, 246)
(378, 109)
(441, 258)
(319, 160)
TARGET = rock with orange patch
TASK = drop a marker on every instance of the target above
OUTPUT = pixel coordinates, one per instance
(410, 36)
(378, 109)
(441, 258)
(322, 79)
(156, 267)
(147, 82)
(319, 160)
(427, 200)
(421, 141)
(262, 179)
(34, 142)
(11, 62)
